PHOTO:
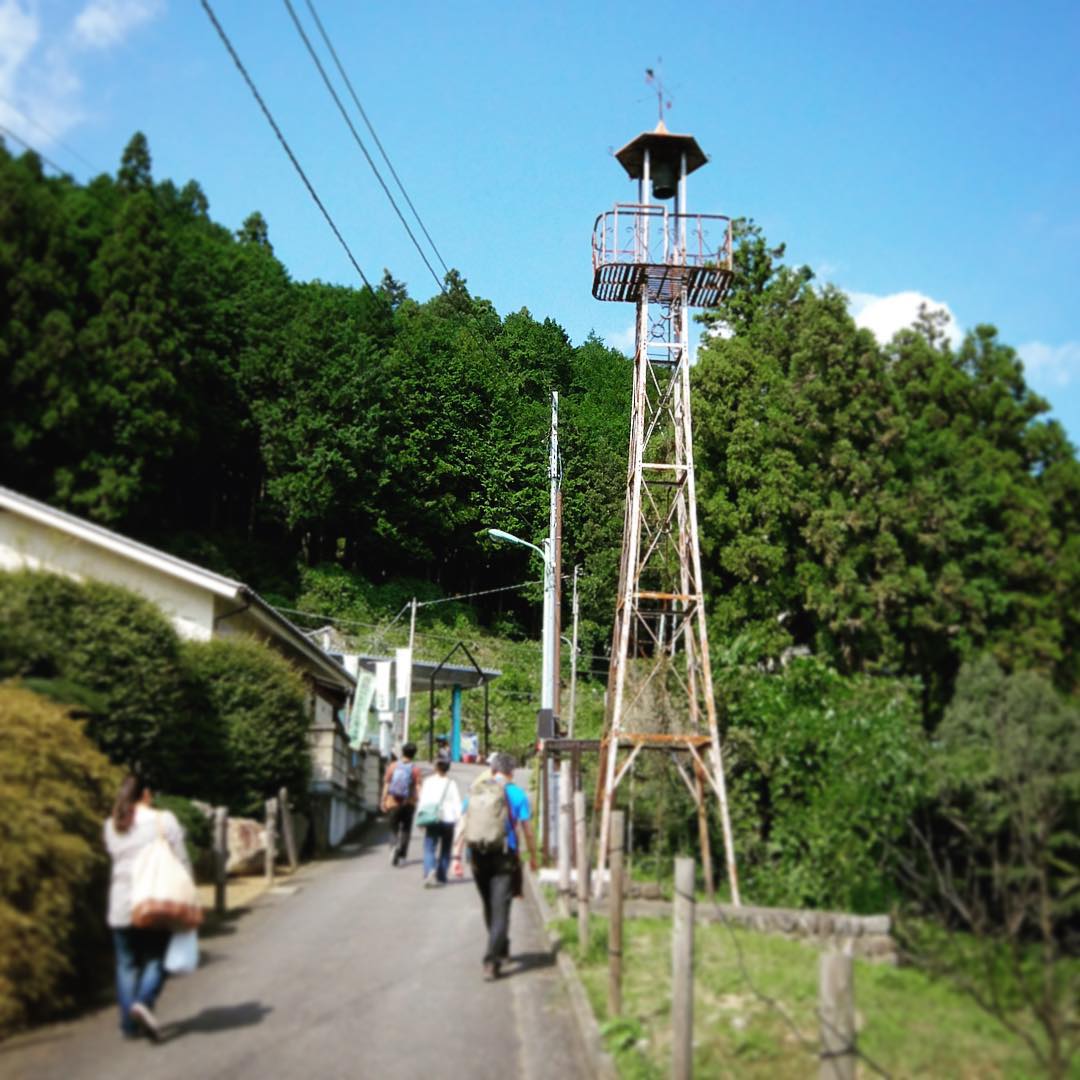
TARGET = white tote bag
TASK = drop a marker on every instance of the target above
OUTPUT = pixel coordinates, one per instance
(163, 894)
(182, 955)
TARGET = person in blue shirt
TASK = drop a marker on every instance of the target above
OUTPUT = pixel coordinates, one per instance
(498, 873)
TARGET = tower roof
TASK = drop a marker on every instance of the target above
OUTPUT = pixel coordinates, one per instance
(661, 144)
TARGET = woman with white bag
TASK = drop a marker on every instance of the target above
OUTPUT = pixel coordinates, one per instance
(148, 857)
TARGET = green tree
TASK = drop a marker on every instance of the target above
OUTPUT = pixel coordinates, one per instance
(996, 854)
(895, 509)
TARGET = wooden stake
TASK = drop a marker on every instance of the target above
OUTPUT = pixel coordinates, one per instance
(615, 914)
(221, 856)
(566, 834)
(287, 829)
(582, 872)
(271, 839)
(703, 834)
(682, 972)
(836, 1007)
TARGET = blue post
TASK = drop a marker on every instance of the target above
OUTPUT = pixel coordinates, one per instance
(455, 731)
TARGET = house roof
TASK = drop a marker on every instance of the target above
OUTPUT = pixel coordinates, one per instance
(275, 624)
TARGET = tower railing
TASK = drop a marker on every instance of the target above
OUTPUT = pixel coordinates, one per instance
(639, 243)
(651, 233)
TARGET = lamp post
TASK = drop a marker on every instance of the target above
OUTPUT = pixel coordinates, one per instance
(547, 672)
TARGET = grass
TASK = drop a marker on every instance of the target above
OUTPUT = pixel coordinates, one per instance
(908, 1024)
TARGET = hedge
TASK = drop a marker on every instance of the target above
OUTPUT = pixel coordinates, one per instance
(56, 789)
(115, 654)
(258, 707)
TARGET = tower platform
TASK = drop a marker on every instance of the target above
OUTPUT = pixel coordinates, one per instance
(644, 245)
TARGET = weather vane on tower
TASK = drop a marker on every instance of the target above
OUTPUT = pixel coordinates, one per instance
(653, 79)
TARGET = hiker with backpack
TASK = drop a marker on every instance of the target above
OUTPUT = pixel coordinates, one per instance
(401, 783)
(495, 811)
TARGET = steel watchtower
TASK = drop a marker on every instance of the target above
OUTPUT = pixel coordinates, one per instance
(660, 691)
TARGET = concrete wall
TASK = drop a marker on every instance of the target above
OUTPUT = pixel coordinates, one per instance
(30, 545)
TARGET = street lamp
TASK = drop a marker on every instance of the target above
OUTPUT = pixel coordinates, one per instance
(547, 675)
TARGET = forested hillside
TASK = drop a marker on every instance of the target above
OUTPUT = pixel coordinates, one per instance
(889, 540)
(892, 509)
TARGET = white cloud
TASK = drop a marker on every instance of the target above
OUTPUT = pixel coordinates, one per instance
(885, 315)
(19, 33)
(1051, 367)
(624, 340)
(41, 92)
(103, 23)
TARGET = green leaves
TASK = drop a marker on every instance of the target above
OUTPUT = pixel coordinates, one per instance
(825, 772)
(888, 508)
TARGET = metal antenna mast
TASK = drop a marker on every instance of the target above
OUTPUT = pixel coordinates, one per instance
(660, 690)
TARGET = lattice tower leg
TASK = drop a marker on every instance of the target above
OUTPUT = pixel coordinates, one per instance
(660, 603)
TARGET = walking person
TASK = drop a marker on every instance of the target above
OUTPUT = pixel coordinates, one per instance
(401, 785)
(439, 813)
(496, 818)
(140, 953)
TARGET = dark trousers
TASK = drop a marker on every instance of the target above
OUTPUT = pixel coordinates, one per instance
(400, 829)
(494, 874)
(140, 969)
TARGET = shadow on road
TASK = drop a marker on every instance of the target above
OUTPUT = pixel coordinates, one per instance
(530, 961)
(222, 925)
(219, 1018)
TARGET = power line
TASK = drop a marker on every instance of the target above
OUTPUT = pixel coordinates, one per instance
(359, 142)
(33, 150)
(281, 138)
(378, 143)
(47, 133)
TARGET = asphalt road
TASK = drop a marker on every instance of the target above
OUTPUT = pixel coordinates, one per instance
(354, 970)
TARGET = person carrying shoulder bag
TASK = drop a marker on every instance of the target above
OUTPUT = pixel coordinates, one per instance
(439, 813)
(132, 828)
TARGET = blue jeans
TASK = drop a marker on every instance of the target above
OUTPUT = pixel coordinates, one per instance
(439, 837)
(140, 970)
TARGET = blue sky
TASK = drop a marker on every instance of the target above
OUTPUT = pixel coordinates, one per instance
(903, 151)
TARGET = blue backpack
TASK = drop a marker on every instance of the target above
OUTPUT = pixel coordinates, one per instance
(401, 780)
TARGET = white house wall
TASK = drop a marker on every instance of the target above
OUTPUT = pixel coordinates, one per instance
(30, 545)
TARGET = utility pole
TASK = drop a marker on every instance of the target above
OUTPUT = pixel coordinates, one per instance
(412, 663)
(555, 532)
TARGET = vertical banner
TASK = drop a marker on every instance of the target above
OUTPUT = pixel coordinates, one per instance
(361, 710)
(383, 706)
(403, 664)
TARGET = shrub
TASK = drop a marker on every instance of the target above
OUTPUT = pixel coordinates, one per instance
(256, 702)
(825, 770)
(56, 789)
(118, 657)
(198, 828)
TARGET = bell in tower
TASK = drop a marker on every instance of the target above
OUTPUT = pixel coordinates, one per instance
(662, 159)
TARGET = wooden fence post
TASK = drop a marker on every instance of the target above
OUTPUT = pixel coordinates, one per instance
(682, 972)
(566, 834)
(271, 839)
(836, 1007)
(287, 829)
(221, 856)
(582, 872)
(615, 914)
